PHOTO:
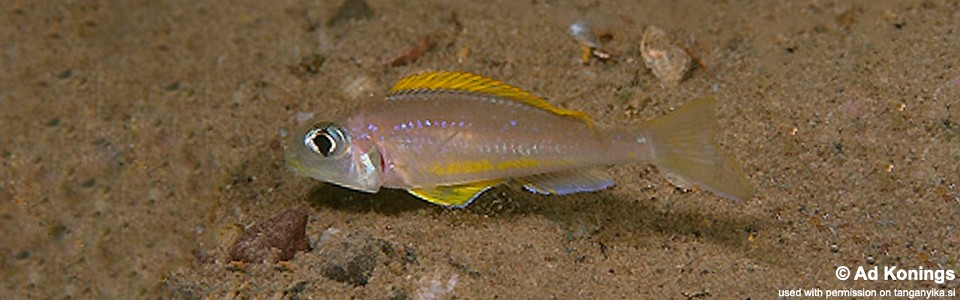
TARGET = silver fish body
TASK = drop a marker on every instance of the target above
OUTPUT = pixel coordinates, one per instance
(450, 138)
(446, 137)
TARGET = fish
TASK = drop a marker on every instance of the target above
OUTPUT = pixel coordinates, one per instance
(447, 136)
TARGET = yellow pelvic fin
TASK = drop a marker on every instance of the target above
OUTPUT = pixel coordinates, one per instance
(473, 83)
(457, 196)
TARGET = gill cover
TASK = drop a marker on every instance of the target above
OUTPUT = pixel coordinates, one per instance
(326, 152)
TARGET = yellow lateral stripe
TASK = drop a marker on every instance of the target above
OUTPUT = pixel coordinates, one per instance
(523, 163)
(478, 166)
(462, 167)
(469, 82)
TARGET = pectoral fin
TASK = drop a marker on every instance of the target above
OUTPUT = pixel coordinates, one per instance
(457, 196)
(567, 182)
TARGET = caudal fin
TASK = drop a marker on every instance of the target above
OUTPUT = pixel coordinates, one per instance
(685, 145)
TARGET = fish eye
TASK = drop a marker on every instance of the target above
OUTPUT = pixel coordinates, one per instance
(325, 139)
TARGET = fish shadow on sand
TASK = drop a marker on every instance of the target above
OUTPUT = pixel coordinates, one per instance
(615, 218)
(386, 202)
(605, 216)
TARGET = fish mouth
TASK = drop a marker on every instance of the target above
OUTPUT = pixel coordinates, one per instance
(292, 161)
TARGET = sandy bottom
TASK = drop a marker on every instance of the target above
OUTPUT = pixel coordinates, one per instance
(138, 141)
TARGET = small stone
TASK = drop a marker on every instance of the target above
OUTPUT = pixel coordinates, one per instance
(89, 183)
(351, 10)
(276, 239)
(435, 287)
(65, 74)
(309, 65)
(662, 55)
(356, 271)
(352, 258)
(294, 290)
(58, 230)
(52, 122)
(410, 255)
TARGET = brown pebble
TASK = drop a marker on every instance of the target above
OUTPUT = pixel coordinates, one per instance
(668, 61)
(276, 239)
(275, 144)
(309, 65)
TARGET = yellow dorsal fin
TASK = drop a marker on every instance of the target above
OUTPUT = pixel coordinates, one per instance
(473, 83)
(457, 196)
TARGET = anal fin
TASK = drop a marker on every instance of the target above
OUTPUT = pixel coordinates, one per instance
(457, 196)
(567, 182)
